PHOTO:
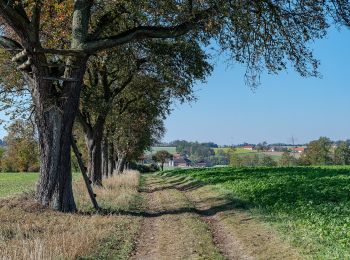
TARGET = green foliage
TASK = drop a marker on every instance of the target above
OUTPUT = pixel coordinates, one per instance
(236, 160)
(251, 159)
(287, 159)
(22, 152)
(194, 150)
(309, 205)
(318, 152)
(161, 156)
(144, 168)
(342, 154)
(267, 160)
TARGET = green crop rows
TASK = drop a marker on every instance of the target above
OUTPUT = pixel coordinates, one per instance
(310, 206)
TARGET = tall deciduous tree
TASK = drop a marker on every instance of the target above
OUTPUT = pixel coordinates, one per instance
(38, 34)
(342, 154)
(160, 157)
(318, 152)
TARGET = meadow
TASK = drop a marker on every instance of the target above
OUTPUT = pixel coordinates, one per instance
(309, 206)
(241, 152)
(15, 183)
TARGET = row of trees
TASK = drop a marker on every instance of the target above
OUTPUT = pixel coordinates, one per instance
(70, 54)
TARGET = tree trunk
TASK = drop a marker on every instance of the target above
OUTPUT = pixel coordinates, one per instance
(55, 116)
(105, 158)
(94, 143)
(121, 163)
(111, 162)
(93, 140)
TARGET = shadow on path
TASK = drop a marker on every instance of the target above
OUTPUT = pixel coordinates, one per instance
(221, 204)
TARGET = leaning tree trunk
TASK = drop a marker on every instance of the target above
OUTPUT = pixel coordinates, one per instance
(55, 116)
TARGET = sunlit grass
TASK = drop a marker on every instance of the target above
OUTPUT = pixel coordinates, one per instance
(29, 231)
(309, 205)
(12, 183)
(15, 183)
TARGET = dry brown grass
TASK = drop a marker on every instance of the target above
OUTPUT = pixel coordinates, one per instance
(28, 231)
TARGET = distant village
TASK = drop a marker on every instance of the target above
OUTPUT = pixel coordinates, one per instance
(186, 154)
(193, 154)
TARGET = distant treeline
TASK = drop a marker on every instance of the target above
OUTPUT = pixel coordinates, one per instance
(318, 152)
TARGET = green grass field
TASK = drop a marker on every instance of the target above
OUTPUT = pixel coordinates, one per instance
(154, 149)
(243, 152)
(19, 182)
(237, 150)
(15, 183)
(310, 206)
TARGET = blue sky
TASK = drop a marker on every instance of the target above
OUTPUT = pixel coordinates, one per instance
(284, 105)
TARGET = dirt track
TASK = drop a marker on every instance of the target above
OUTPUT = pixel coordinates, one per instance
(185, 220)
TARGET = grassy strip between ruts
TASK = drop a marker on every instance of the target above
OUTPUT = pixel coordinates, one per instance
(28, 231)
(310, 206)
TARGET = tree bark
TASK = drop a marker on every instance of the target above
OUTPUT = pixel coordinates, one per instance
(56, 106)
(121, 163)
(94, 143)
(105, 158)
(93, 140)
(55, 116)
(111, 157)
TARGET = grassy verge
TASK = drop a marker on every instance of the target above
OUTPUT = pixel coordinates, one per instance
(28, 231)
(310, 206)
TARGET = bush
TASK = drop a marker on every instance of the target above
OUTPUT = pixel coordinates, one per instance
(144, 168)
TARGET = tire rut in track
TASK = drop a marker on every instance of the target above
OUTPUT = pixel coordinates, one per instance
(171, 229)
(236, 233)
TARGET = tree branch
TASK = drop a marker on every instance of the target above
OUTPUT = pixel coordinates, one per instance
(10, 44)
(15, 17)
(36, 19)
(142, 32)
(84, 121)
(116, 91)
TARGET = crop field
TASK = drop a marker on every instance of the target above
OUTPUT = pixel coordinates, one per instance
(309, 206)
(14, 183)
